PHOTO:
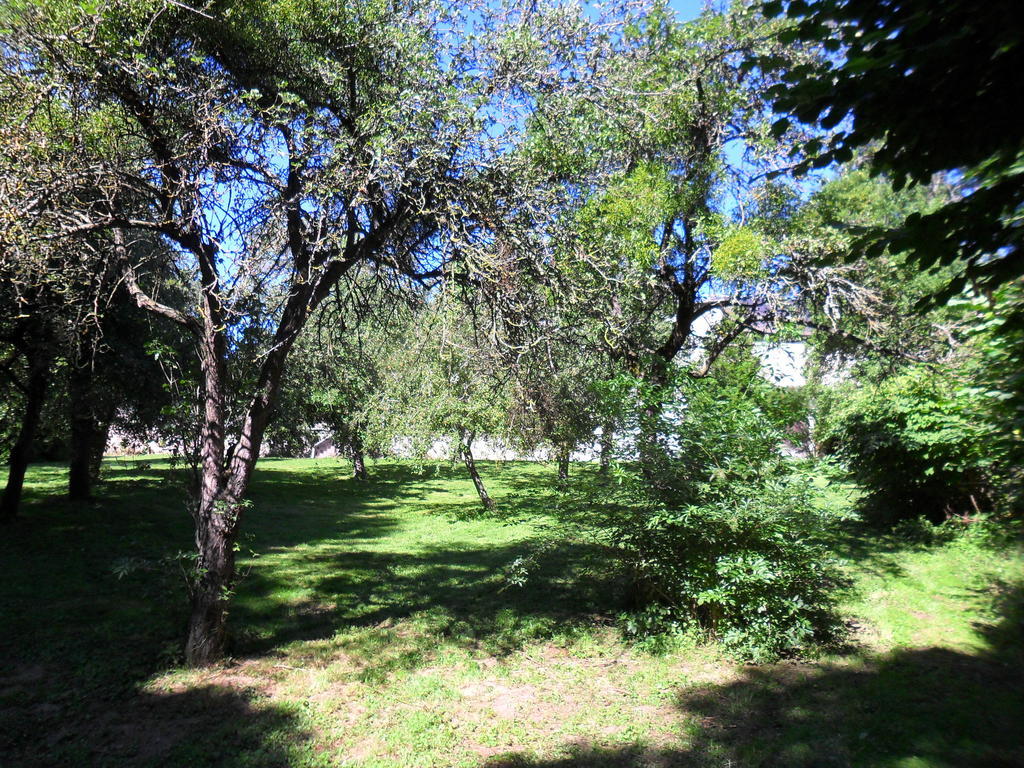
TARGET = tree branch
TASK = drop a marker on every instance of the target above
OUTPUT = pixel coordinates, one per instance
(140, 297)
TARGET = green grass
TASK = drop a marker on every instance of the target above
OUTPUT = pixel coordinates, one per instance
(375, 628)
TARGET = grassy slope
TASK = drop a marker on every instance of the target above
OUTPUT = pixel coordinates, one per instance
(375, 629)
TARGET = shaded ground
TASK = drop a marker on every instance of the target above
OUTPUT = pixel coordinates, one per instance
(375, 628)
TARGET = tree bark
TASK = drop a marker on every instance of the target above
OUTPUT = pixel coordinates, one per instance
(225, 475)
(35, 397)
(607, 443)
(217, 511)
(84, 431)
(99, 447)
(358, 460)
(466, 446)
(216, 529)
(221, 487)
(563, 464)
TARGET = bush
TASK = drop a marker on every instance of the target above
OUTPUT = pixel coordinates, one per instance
(743, 568)
(919, 444)
(722, 539)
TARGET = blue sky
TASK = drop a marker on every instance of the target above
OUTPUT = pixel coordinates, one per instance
(687, 9)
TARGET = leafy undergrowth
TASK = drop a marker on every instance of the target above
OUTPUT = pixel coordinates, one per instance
(376, 628)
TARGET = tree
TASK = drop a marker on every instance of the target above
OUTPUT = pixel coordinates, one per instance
(116, 376)
(929, 89)
(338, 369)
(445, 382)
(274, 146)
(63, 311)
(670, 240)
(559, 374)
(72, 339)
(28, 338)
(26, 328)
(43, 288)
(922, 415)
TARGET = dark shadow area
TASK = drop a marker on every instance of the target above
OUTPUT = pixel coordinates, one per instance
(925, 708)
(583, 755)
(207, 726)
(877, 548)
(324, 502)
(462, 592)
(462, 588)
(936, 706)
(873, 550)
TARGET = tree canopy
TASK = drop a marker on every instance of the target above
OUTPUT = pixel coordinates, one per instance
(929, 88)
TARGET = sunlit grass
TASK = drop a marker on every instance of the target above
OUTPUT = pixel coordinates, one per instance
(374, 627)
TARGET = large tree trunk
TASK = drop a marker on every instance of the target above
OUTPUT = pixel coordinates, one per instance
(563, 464)
(35, 396)
(224, 480)
(216, 529)
(358, 459)
(216, 512)
(466, 447)
(224, 475)
(85, 432)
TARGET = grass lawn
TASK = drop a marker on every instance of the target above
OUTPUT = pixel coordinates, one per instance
(375, 628)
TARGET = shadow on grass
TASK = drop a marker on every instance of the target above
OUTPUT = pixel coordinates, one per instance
(202, 726)
(78, 640)
(521, 490)
(458, 589)
(457, 593)
(920, 708)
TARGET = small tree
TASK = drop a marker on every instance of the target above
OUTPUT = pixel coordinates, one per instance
(446, 382)
(337, 370)
(725, 539)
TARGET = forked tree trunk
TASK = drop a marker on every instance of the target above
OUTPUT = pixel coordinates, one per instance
(35, 397)
(466, 447)
(358, 459)
(225, 476)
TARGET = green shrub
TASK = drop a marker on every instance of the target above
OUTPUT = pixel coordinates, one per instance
(744, 568)
(919, 443)
(719, 536)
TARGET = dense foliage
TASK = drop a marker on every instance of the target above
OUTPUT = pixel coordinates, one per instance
(934, 440)
(919, 442)
(930, 88)
(724, 538)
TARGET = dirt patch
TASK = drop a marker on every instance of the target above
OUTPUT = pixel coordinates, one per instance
(501, 700)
